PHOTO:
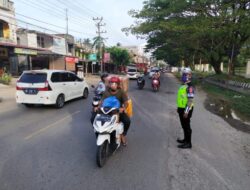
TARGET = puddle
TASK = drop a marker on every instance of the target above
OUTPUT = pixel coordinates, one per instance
(224, 110)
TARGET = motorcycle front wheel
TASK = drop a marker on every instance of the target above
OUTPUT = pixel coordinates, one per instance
(102, 154)
(140, 87)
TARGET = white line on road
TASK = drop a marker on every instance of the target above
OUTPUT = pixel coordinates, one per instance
(49, 126)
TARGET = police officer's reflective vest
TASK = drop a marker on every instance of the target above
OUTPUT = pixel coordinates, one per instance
(182, 98)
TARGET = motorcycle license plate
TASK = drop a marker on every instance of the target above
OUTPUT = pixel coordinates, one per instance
(104, 118)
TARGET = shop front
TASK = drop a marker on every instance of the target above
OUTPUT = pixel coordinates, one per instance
(24, 59)
(71, 63)
(4, 60)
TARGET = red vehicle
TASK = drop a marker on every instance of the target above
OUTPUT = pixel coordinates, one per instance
(155, 84)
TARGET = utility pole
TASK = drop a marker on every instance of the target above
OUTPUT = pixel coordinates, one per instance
(67, 31)
(66, 37)
(99, 24)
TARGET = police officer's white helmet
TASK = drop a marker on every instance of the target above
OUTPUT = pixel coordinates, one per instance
(187, 70)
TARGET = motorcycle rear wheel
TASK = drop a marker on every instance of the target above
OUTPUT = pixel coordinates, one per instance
(102, 154)
(155, 89)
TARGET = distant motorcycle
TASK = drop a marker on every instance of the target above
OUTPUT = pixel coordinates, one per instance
(140, 82)
(155, 84)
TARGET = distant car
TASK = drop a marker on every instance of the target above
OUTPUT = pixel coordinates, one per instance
(152, 72)
(49, 87)
(133, 73)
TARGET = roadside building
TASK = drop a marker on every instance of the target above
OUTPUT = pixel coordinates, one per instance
(82, 50)
(71, 60)
(7, 34)
(139, 57)
(37, 50)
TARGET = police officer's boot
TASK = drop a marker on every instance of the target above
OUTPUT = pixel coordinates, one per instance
(185, 145)
(181, 141)
(188, 143)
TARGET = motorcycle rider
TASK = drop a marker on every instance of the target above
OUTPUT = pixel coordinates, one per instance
(101, 87)
(157, 76)
(141, 79)
(185, 106)
(115, 90)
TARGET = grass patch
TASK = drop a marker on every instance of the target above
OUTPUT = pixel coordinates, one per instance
(238, 102)
(233, 78)
(5, 78)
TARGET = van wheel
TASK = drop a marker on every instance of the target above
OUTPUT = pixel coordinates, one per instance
(60, 101)
(85, 93)
(29, 105)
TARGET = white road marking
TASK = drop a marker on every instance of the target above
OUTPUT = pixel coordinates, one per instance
(49, 126)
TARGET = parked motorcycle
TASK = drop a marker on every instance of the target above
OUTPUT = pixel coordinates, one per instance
(108, 131)
(155, 84)
(140, 82)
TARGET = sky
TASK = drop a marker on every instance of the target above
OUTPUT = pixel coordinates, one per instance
(51, 16)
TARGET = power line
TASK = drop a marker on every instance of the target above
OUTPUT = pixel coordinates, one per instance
(51, 24)
(39, 20)
(46, 29)
(73, 7)
(50, 5)
(46, 6)
(90, 12)
(112, 28)
(50, 12)
(104, 19)
(32, 24)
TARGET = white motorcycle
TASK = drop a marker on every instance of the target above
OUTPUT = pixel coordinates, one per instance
(108, 131)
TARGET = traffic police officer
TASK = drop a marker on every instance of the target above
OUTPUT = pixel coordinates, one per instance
(185, 107)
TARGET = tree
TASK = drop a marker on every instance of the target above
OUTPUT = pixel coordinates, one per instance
(87, 42)
(98, 44)
(119, 56)
(191, 30)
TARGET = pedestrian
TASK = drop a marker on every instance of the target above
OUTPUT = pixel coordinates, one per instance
(185, 107)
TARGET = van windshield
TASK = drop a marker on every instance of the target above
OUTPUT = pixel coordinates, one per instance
(132, 70)
(33, 78)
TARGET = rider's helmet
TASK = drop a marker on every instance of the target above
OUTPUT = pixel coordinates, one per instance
(114, 79)
(186, 75)
(103, 76)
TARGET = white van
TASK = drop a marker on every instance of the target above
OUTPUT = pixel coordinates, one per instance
(49, 87)
(133, 73)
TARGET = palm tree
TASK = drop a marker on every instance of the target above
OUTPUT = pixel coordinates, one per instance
(98, 44)
(87, 42)
(98, 41)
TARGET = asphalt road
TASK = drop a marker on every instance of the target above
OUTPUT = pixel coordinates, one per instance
(43, 148)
